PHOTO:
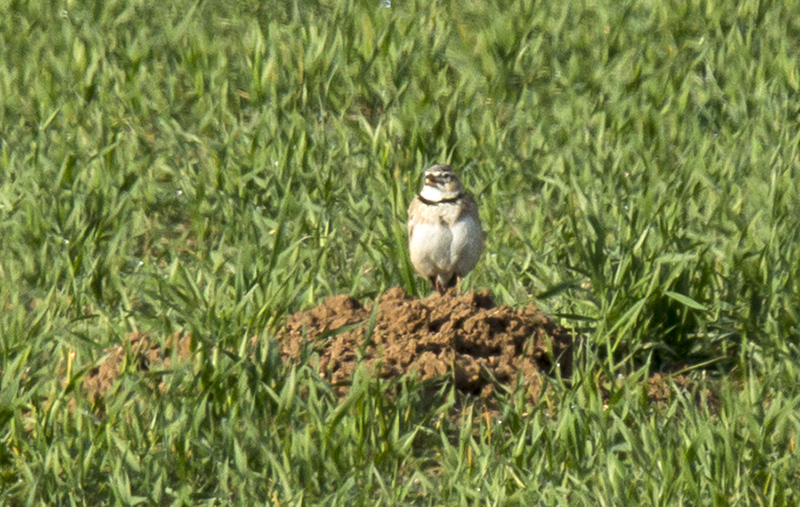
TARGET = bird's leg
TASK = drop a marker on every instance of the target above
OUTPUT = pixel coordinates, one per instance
(439, 288)
(458, 285)
(435, 283)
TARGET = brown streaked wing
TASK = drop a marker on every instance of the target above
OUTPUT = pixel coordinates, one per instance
(470, 207)
(414, 210)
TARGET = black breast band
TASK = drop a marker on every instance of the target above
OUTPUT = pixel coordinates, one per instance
(443, 201)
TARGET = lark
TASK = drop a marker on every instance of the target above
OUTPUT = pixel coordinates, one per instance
(445, 236)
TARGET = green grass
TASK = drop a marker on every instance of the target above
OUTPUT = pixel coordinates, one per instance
(212, 166)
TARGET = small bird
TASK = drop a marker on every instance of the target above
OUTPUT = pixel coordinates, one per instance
(445, 236)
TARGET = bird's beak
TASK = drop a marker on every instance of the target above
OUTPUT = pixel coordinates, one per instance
(430, 179)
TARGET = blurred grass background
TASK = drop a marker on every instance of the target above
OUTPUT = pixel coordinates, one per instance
(211, 166)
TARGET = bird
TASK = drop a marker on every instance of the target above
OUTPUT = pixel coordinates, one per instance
(445, 236)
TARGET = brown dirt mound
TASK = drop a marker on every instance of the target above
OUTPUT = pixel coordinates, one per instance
(144, 352)
(467, 336)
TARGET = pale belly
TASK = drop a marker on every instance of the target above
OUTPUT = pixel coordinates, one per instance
(442, 251)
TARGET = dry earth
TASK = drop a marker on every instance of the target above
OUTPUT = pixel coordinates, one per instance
(465, 339)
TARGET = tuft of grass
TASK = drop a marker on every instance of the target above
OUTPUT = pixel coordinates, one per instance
(211, 167)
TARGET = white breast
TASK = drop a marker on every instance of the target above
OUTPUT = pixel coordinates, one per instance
(430, 249)
(441, 250)
(467, 245)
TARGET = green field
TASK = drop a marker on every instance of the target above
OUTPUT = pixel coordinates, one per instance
(210, 167)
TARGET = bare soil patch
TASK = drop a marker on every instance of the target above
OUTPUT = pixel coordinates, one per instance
(144, 353)
(468, 337)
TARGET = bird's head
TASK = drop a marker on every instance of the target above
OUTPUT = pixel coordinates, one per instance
(441, 183)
